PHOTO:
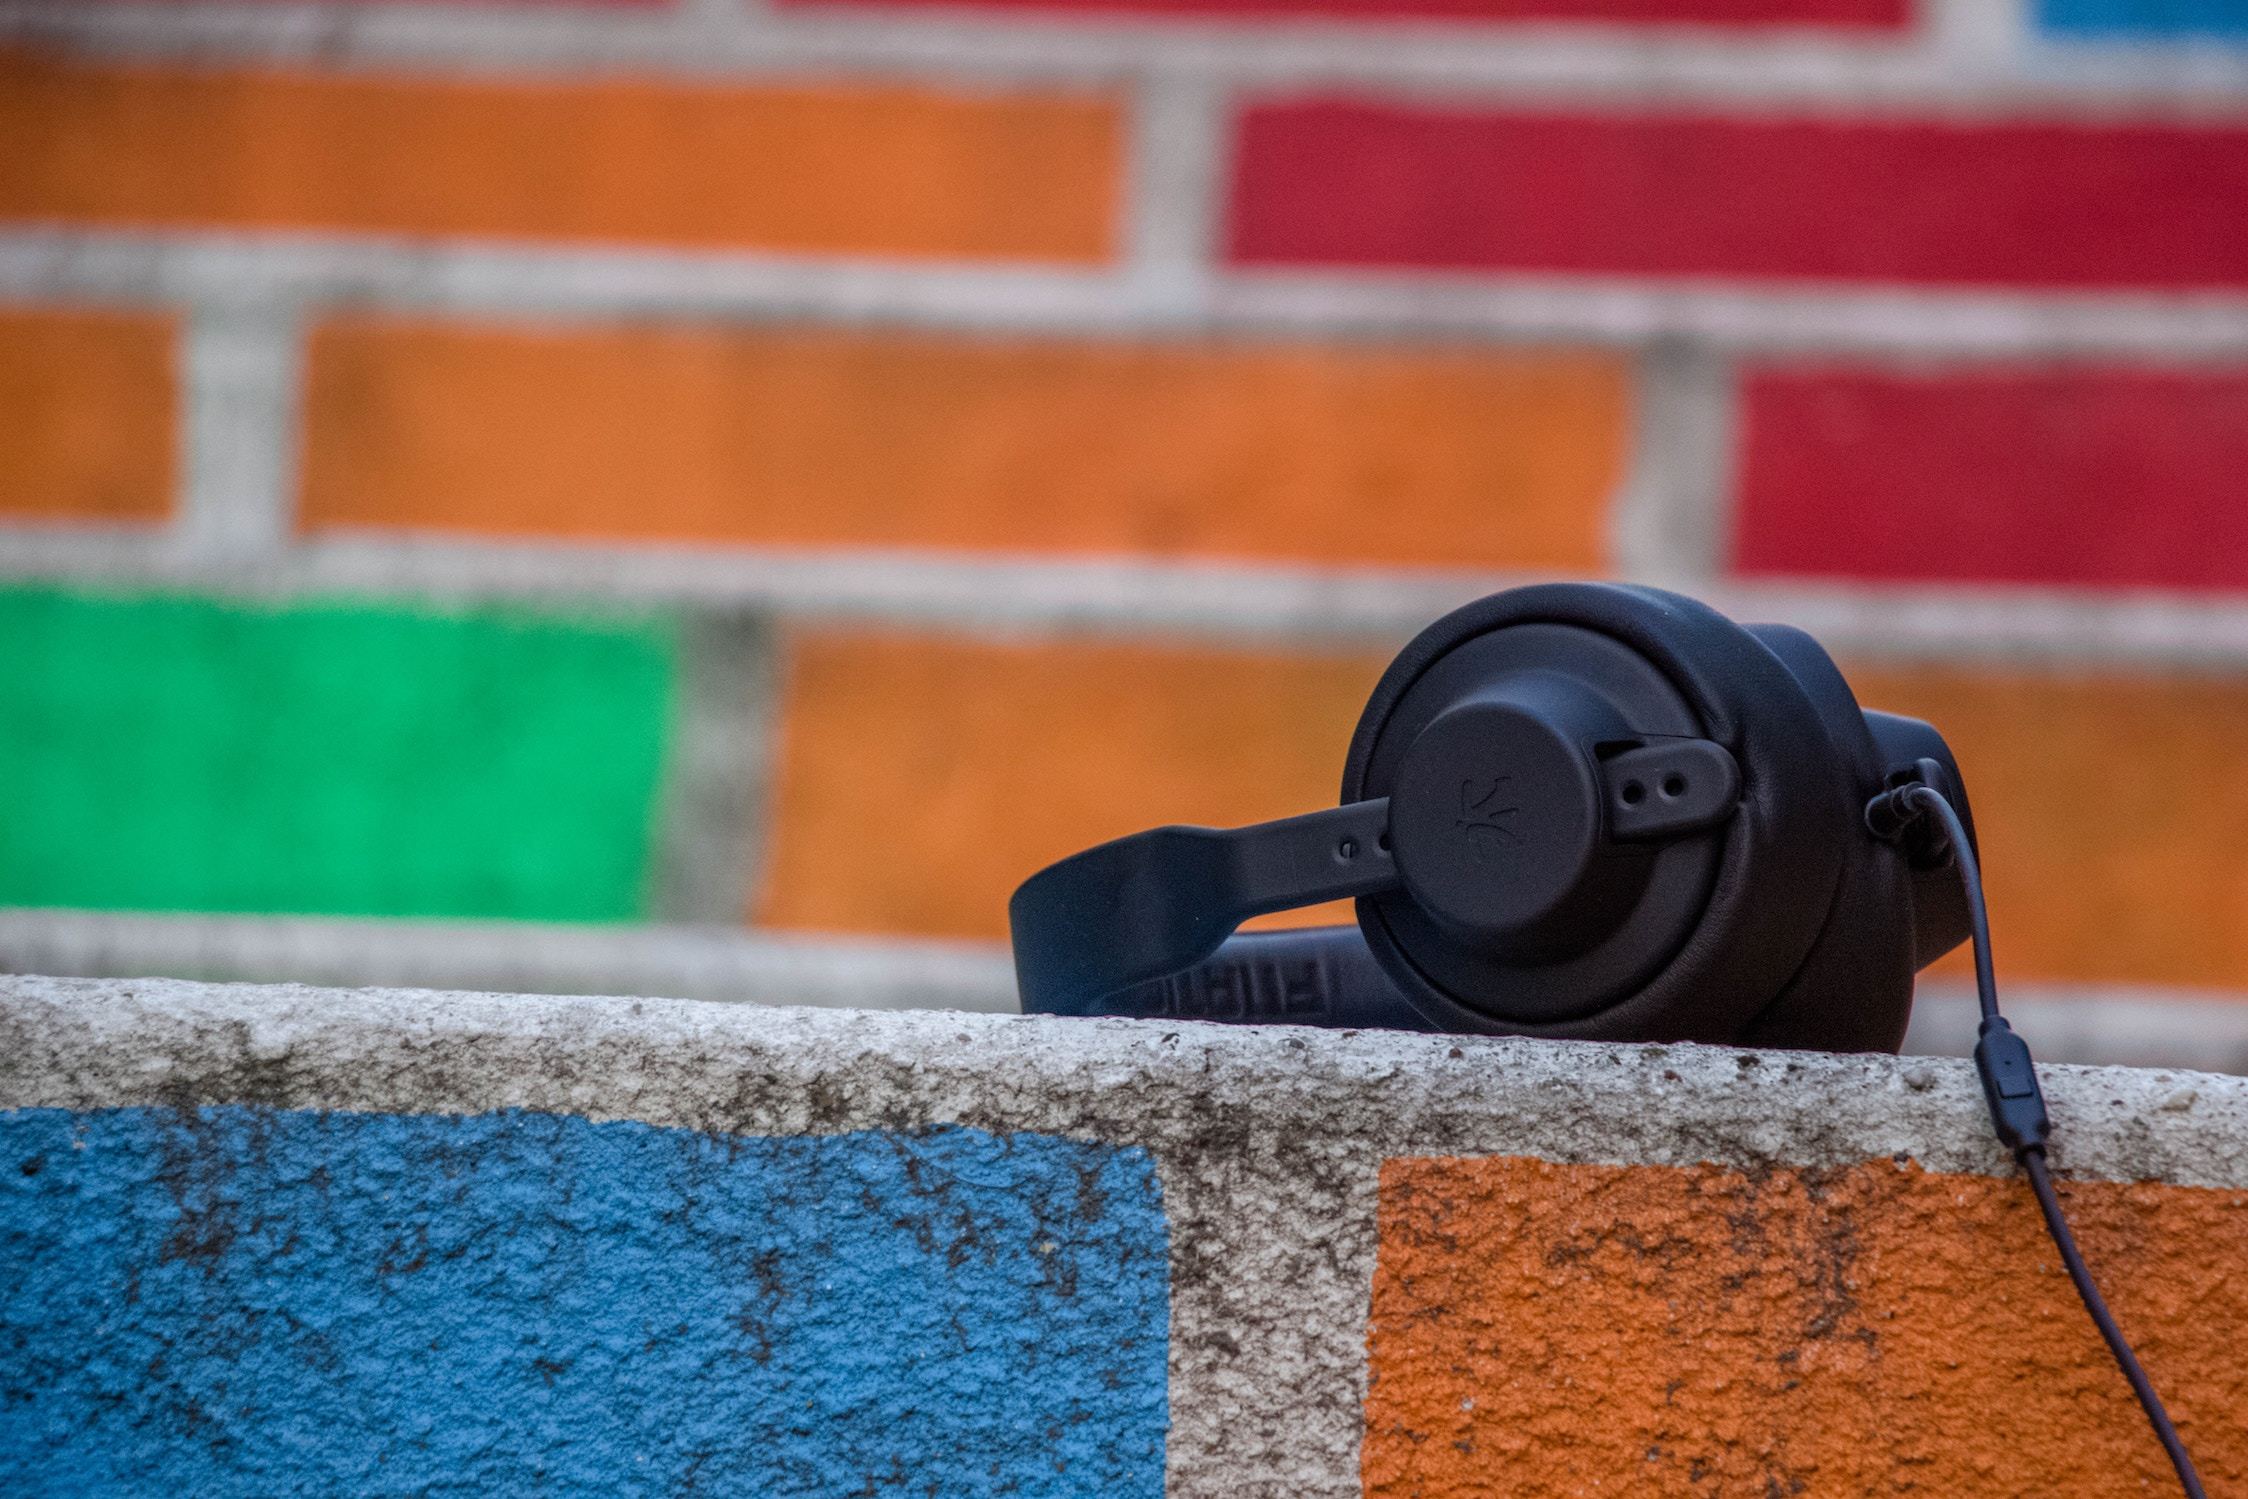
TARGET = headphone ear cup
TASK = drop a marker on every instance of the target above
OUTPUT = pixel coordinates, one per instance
(1774, 873)
(1854, 990)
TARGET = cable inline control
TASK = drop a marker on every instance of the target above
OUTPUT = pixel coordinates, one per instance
(1917, 814)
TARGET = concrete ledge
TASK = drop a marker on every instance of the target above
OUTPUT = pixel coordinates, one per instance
(2104, 1026)
(1340, 1221)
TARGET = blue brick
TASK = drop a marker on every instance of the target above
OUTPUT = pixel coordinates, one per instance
(247, 1301)
(2148, 19)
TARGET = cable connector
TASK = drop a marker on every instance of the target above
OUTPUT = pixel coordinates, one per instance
(1889, 814)
(1901, 814)
(2017, 1104)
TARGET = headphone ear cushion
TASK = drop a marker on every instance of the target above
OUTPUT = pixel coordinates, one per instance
(1854, 991)
(1781, 867)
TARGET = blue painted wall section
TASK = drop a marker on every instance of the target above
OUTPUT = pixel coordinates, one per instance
(2151, 20)
(250, 1301)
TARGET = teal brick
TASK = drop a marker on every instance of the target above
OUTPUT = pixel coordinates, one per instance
(339, 757)
(2147, 20)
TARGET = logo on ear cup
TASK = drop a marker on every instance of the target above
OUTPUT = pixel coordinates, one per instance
(1483, 814)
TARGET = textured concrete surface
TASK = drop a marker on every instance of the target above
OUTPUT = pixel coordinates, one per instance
(1269, 1144)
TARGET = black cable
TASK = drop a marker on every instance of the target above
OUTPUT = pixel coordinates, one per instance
(2049, 1202)
(2017, 1105)
(1928, 799)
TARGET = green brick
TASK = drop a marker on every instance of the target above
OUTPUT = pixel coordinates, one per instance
(341, 758)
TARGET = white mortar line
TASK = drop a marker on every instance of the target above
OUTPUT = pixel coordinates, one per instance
(2203, 1030)
(1668, 524)
(1978, 36)
(239, 382)
(1639, 64)
(498, 279)
(717, 769)
(970, 591)
(1176, 183)
(490, 280)
(2005, 627)
(2059, 60)
(720, 18)
(1272, 605)
(1747, 318)
(2111, 1026)
(682, 962)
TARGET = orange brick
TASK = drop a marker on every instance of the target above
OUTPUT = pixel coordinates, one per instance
(1545, 1330)
(921, 779)
(89, 409)
(1342, 454)
(810, 167)
(2112, 815)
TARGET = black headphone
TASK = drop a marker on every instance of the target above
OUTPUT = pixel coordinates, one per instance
(1583, 810)
(1572, 810)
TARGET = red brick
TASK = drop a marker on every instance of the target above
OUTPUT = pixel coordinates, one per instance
(2095, 475)
(1851, 13)
(1326, 181)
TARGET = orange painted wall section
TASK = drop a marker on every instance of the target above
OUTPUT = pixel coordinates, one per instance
(863, 168)
(87, 411)
(921, 776)
(920, 779)
(825, 437)
(1547, 1330)
(2112, 814)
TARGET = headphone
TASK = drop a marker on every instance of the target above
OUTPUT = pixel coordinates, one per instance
(1591, 811)
(1579, 810)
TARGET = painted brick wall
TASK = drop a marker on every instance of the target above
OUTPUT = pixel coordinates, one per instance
(92, 411)
(290, 1241)
(595, 1307)
(804, 437)
(694, 495)
(1675, 195)
(329, 758)
(836, 168)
